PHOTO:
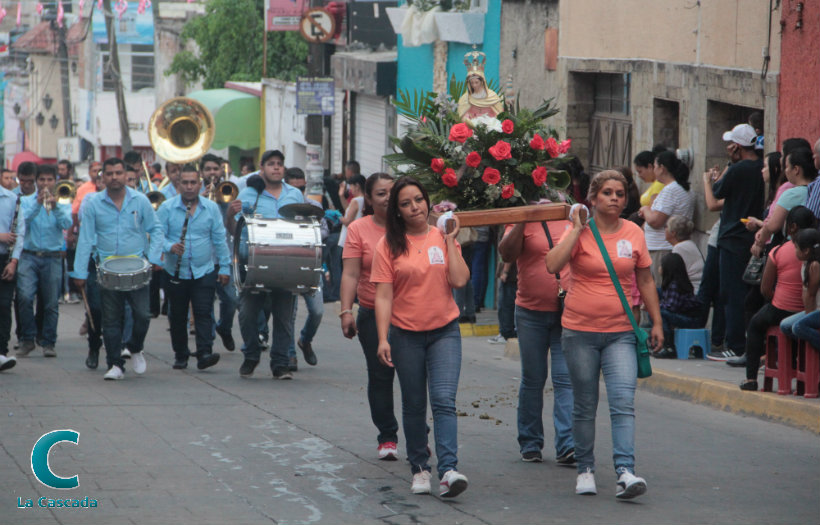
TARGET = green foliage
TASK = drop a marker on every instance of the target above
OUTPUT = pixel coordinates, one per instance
(229, 43)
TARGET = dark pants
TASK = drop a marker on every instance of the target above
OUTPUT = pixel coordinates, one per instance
(251, 303)
(733, 292)
(709, 295)
(156, 284)
(672, 320)
(199, 293)
(92, 293)
(478, 271)
(506, 308)
(113, 304)
(332, 256)
(765, 318)
(379, 378)
(6, 297)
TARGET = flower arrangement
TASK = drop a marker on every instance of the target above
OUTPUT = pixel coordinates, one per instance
(486, 162)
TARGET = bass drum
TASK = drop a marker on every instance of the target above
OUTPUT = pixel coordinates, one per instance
(275, 254)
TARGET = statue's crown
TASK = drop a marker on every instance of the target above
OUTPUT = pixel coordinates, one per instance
(475, 60)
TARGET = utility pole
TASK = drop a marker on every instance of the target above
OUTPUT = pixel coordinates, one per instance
(62, 56)
(114, 65)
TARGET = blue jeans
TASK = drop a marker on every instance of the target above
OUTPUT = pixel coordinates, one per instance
(806, 328)
(199, 294)
(429, 360)
(478, 271)
(672, 320)
(379, 378)
(227, 306)
(43, 274)
(589, 354)
(733, 294)
(251, 304)
(539, 333)
(506, 308)
(113, 313)
(316, 310)
(709, 294)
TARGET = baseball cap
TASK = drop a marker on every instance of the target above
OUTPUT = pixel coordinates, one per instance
(742, 134)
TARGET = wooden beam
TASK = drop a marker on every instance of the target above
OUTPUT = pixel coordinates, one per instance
(535, 213)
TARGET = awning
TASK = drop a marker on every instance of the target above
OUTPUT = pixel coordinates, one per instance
(236, 115)
(25, 156)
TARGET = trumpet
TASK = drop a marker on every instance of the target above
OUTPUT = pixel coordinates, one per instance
(65, 191)
(224, 192)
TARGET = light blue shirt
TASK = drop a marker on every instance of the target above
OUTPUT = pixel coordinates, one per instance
(8, 203)
(205, 235)
(120, 232)
(268, 206)
(45, 230)
(169, 191)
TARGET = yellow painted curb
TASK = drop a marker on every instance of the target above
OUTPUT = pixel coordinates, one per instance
(730, 398)
(466, 329)
(477, 330)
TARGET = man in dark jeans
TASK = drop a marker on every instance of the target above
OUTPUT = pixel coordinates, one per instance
(742, 188)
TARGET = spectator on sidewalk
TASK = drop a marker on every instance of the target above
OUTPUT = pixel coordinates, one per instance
(679, 306)
(806, 324)
(679, 234)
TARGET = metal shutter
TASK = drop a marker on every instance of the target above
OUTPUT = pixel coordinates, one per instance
(370, 133)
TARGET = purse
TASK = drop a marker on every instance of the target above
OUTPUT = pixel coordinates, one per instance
(561, 292)
(641, 337)
(753, 273)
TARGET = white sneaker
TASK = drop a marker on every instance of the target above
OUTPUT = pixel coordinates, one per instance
(114, 373)
(7, 362)
(421, 483)
(452, 484)
(138, 362)
(585, 484)
(125, 353)
(497, 340)
(629, 486)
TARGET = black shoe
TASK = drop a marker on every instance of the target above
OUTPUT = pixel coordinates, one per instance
(666, 353)
(282, 372)
(93, 360)
(207, 361)
(180, 364)
(293, 365)
(532, 456)
(227, 341)
(307, 351)
(749, 384)
(247, 368)
(737, 362)
(567, 458)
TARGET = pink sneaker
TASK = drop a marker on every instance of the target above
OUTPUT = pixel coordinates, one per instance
(388, 451)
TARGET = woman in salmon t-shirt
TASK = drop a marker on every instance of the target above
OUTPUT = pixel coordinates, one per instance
(362, 237)
(538, 322)
(415, 269)
(597, 335)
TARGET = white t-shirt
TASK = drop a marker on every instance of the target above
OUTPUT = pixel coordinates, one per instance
(360, 202)
(672, 200)
(693, 259)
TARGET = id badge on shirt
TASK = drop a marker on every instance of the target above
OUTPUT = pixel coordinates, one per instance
(435, 255)
(624, 249)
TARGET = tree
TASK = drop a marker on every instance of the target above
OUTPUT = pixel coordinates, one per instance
(229, 42)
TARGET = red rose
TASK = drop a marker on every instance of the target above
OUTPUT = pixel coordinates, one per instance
(537, 142)
(507, 191)
(473, 159)
(449, 178)
(491, 176)
(507, 126)
(552, 147)
(539, 175)
(437, 165)
(564, 146)
(501, 150)
(460, 132)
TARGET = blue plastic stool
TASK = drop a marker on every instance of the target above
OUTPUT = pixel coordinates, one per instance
(686, 338)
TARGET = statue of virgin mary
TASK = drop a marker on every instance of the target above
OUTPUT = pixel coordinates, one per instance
(478, 100)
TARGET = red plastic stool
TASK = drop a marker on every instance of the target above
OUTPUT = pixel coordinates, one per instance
(778, 362)
(808, 370)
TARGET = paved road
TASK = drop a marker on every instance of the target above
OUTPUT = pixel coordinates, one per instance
(210, 448)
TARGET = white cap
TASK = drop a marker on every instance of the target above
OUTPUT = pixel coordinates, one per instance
(742, 134)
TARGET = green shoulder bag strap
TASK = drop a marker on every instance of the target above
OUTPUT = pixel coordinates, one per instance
(642, 346)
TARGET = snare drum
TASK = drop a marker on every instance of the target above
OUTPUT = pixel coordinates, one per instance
(123, 274)
(277, 254)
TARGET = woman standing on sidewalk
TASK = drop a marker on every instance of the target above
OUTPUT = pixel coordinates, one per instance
(362, 237)
(597, 334)
(538, 321)
(415, 269)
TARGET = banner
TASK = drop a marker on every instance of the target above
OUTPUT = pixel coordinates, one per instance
(131, 28)
(284, 15)
(314, 96)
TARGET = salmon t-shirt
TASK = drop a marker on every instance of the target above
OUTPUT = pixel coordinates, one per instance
(362, 237)
(788, 294)
(422, 295)
(592, 303)
(538, 289)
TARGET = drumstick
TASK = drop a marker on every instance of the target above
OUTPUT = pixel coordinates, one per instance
(182, 241)
(87, 309)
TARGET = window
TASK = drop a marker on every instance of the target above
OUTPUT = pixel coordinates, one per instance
(136, 62)
(612, 93)
(142, 67)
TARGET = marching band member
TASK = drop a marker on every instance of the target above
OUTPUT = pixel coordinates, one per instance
(26, 172)
(8, 262)
(193, 230)
(8, 179)
(266, 203)
(115, 224)
(172, 172)
(415, 269)
(41, 263)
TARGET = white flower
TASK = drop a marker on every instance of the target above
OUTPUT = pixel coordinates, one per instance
(486, 121)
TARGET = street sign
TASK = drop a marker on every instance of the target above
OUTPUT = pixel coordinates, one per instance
(314, 96)
(317, 26)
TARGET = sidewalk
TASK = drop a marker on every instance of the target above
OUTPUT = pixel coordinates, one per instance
(708, 383)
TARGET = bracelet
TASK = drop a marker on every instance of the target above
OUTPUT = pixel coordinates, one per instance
(345, 312)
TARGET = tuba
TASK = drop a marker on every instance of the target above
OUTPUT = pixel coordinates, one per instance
(181, 130)
(226, 191)
(65, 192)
